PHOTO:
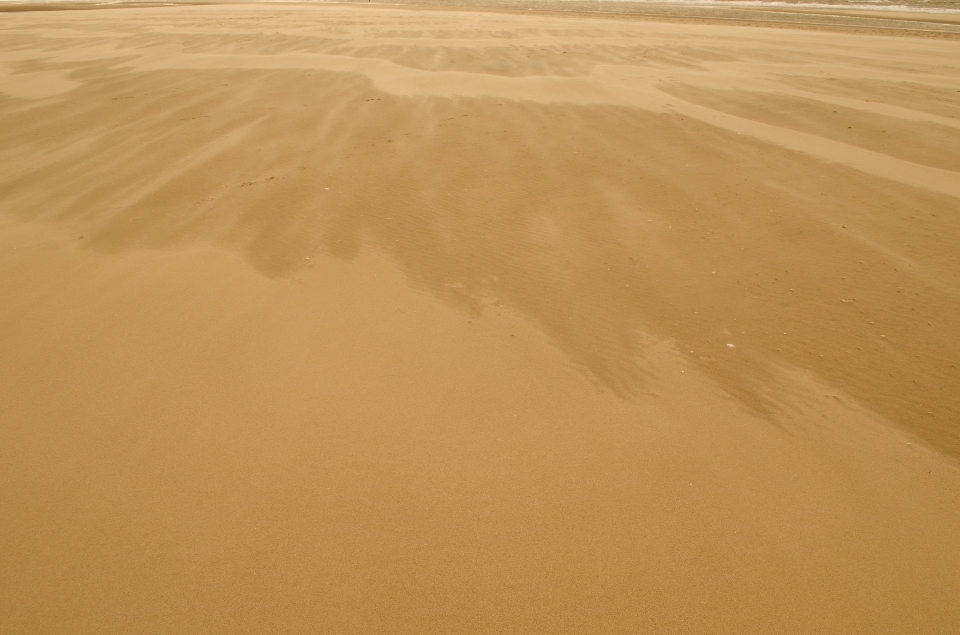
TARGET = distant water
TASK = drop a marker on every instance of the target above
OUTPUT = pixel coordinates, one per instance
(930, 16)
(784, 11)
(936, 6)
(688, 7)
(682, 6)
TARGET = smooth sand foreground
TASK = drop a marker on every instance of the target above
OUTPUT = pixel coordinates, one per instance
(347, 320)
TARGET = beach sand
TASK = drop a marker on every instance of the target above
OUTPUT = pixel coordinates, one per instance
(342, 319)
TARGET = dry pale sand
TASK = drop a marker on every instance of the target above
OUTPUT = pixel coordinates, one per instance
(336, 319)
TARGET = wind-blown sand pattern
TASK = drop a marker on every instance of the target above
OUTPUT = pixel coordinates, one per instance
(358, 320)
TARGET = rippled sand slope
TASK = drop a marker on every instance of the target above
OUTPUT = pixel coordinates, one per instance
(345, 319)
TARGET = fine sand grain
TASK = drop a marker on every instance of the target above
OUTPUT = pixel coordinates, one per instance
(341, 319)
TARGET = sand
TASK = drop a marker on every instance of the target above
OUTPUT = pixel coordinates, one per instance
(342, 319)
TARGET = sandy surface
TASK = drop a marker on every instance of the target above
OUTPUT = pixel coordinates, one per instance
(348, 320)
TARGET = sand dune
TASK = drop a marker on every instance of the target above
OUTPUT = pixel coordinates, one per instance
(351, 319)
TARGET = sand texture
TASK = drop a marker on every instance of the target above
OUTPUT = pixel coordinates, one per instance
(337, 319)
